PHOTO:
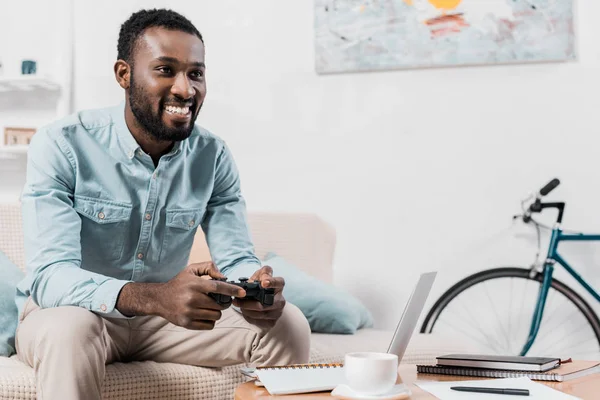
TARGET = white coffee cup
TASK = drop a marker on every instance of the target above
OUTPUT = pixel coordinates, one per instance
(371, 373)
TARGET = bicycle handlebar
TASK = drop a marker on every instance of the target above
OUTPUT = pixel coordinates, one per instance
(537, 206)
(550, 186)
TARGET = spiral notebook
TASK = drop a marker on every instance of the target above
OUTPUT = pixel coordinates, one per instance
(565, 372)
(301, 378)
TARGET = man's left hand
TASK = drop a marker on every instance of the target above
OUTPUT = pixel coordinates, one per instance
(253, 311)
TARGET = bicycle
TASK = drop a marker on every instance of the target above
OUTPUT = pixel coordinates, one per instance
(537, 326)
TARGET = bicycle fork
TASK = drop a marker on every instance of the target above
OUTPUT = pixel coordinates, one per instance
(538, 313)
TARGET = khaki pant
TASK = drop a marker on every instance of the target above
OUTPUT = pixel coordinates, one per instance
(68, 347)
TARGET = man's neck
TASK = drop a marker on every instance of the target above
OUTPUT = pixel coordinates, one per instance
(150, 145)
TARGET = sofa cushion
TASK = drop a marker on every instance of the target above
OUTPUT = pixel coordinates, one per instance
(422, 348)
(151, 380)
(327, 308)
(142, 380)
(10, 275)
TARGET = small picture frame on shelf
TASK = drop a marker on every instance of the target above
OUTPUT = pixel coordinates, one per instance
(18, 136)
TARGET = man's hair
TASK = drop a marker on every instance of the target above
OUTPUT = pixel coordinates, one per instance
(138, 22)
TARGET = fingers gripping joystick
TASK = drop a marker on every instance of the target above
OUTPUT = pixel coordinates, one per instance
(220, 298)
(254, 291)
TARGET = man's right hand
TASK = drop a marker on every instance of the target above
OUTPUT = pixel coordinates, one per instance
(185, 300)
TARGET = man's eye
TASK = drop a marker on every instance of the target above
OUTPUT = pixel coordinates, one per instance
(164, 70)
(197, 74)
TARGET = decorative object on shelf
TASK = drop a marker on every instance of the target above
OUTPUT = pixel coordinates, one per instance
(18, 136)
(379, 35)
(28, 67)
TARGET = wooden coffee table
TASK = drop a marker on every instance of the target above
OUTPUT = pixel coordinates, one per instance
(587, 387)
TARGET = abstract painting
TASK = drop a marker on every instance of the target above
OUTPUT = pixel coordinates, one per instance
(362, 35)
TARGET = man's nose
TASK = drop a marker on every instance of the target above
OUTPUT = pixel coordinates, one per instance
(182, 87)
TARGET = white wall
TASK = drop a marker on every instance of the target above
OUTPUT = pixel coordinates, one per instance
(43, 36)
(417, 170)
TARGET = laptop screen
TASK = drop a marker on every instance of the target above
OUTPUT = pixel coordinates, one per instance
(410, 315)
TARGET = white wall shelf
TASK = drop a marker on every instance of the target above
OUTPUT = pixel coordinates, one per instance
(11, 151)
(27, 83)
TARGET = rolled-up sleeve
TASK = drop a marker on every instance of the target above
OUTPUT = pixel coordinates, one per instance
(225, 224)
(52, 233)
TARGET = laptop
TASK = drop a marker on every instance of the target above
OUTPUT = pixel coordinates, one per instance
(406, 325)
(410, 316)
(313, 378)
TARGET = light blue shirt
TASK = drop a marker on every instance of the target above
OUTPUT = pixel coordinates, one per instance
(97, 214)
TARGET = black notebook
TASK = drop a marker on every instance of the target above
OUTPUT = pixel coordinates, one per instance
(565, 372)
(509, 363)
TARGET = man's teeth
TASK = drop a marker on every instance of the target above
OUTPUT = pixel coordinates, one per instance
(177, 110)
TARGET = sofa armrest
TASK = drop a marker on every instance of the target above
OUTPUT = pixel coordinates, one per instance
(11, 233)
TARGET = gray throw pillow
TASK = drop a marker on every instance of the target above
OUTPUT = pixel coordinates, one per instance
(328, 309)
(10, 275)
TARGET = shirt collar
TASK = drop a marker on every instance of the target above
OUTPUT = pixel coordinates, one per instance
(126, 139)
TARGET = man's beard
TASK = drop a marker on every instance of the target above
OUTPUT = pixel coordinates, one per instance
(152, 122)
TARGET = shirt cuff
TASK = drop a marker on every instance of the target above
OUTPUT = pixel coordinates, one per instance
(105, 299)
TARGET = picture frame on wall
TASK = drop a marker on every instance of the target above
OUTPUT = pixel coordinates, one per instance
(353, 36)
(14, 136)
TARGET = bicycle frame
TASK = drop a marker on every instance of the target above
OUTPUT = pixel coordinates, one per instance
(552, 258)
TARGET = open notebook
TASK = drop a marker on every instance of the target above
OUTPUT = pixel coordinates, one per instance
(301, 378)
(565, 372)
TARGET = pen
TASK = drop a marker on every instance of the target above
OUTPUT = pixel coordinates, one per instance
(516, 392)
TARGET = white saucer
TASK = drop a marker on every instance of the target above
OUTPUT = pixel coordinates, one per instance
(400, 391)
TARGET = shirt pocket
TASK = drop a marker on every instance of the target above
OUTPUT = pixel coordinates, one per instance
(180, 230)
(103, 228)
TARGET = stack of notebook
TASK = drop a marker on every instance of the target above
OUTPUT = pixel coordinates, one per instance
(487, 366)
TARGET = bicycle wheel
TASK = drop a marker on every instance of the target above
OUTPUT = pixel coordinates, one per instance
(494, 309)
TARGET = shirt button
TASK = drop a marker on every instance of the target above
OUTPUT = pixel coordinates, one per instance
(140, 256)
(192, 222)
(101, 215)
(148, 217)
(154, 175)
(103, 307)
(131, 154)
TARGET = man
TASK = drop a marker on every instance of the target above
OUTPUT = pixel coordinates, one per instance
(112, 201)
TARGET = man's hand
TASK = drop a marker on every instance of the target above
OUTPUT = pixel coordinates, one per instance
(183, 300)
(256, 313)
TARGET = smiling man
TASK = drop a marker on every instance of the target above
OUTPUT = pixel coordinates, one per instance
(111, 205)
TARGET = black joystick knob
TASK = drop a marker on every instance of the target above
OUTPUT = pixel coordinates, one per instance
(243, 279)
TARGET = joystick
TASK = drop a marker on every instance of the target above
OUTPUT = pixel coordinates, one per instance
(254, 291)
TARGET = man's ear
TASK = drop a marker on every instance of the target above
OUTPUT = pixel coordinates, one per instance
(122, 73)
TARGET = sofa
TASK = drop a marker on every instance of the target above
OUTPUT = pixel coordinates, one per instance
(304, 239)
